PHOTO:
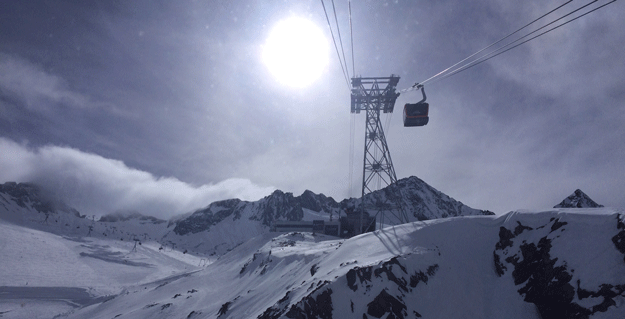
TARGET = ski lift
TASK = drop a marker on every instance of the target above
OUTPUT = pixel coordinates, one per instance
(416, 114)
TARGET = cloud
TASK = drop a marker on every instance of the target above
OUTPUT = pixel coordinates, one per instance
(96, 185)
(34, 85)
(39, 90)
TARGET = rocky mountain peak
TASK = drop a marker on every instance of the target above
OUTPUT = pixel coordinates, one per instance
(578, 200)
(23, 193)
(30, 194)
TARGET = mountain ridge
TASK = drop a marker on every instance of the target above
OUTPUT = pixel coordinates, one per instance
(422, 201)
(223, 225)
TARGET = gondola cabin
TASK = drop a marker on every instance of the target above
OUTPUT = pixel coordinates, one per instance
(416, 114)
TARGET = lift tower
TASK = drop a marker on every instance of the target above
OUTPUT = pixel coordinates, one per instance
(373, 96)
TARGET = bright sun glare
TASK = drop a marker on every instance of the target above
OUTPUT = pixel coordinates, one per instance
(296, 52)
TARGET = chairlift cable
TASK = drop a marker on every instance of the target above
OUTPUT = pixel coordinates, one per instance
(507, 48)
(493, 44)
(338, 31)
(335, 46)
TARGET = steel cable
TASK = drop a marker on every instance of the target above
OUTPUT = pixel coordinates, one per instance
(336, 47)
(447, 73)
(494, 43)
(508, 48)
(338, 31)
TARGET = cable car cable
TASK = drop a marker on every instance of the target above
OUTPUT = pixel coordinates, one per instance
(507, 48)
(351, 35)
(338, 31)
(497, 52)
(352, 129)
(492, 44)
(336, 47)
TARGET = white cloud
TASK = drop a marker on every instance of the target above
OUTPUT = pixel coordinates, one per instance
(36, 86)
(40, 90)
(96, 185)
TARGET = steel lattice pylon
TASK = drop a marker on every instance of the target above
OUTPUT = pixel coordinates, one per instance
(375, 95)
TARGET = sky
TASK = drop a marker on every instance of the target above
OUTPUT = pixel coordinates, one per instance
(162, 107)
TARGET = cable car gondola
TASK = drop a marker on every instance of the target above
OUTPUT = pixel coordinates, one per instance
(416, 114)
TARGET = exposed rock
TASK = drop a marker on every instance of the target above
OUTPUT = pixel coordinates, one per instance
(120, 217)
(577, 200)
(29, 194)
(315, 305)
(203, 219)
(543, 280)
(619, 238)
(385, 303)
(422, 202)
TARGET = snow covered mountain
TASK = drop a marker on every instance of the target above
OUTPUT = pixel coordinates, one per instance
(420, 201)
(556, 264)
(566, 263)
(225, 224)
(30, 206)
(222, 225)
(577, 200)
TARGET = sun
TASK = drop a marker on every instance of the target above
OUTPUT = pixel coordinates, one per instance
(296, 52)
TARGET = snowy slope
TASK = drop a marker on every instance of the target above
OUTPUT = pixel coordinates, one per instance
(54, 259)
(561, 264)
(36, 258)
(68, 272)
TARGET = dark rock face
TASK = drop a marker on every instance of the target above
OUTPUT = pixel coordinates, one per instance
(385, 303)
(619, 238)
(543, 280)
(577, 200)
(25, 194)
(202, 219)
(393, 301)
(224, 309)
(278, 309)
(126, 217)
(422, 200)
(362, 277)
(319, 306)
(362, 274)
(279, 206)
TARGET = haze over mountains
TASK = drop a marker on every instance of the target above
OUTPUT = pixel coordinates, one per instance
(222, 261)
